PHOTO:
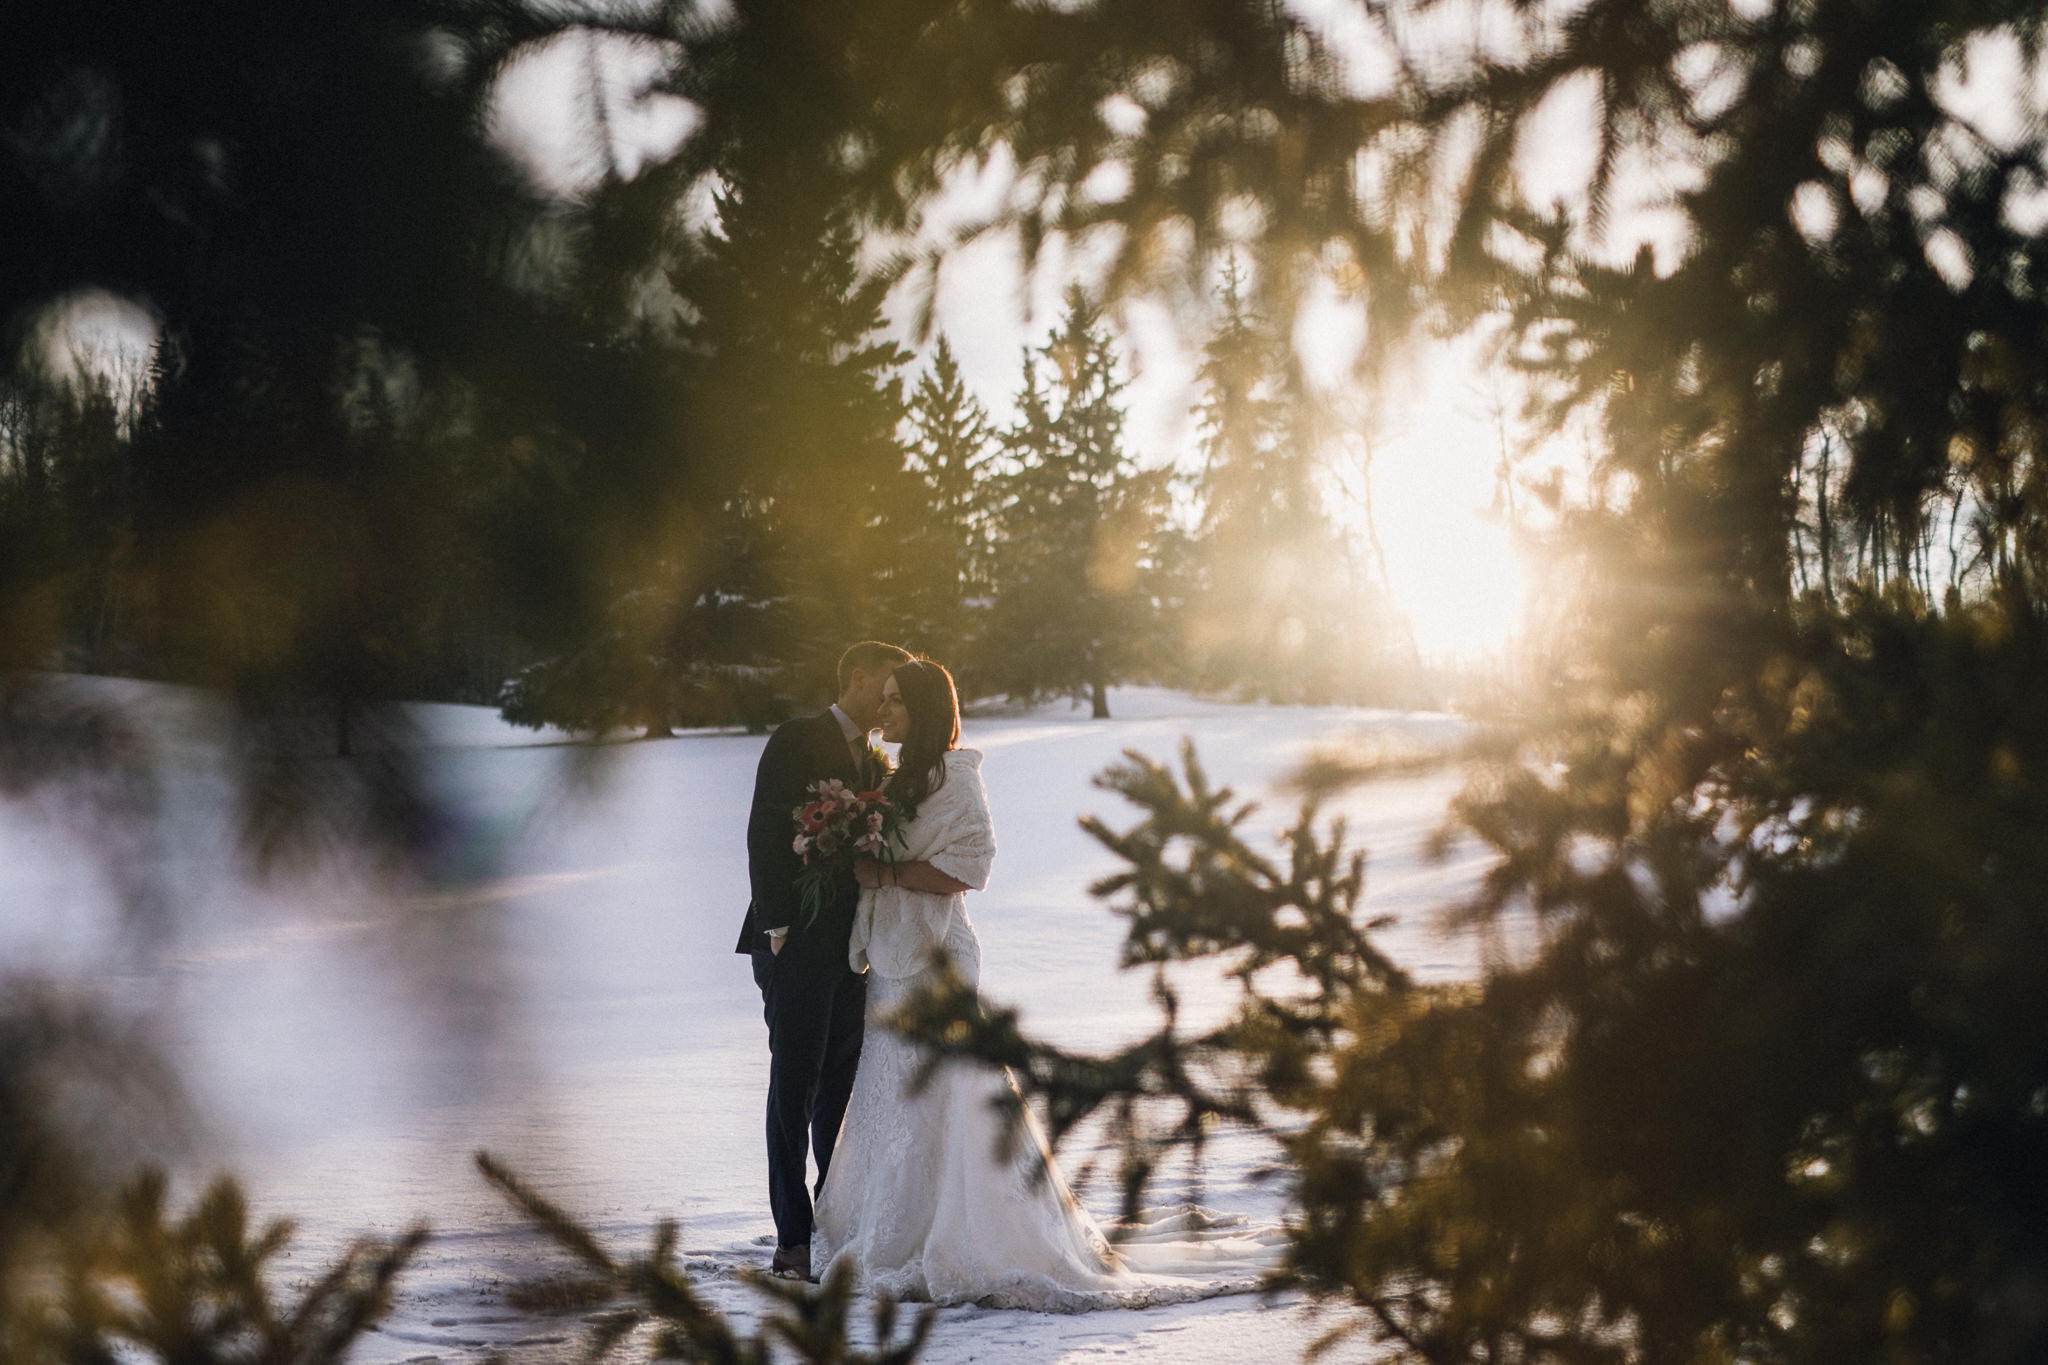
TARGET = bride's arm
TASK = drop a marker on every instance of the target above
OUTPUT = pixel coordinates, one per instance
(959, 857)
(967, 853)
(910, 876)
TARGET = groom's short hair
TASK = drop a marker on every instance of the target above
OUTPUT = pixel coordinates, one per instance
(869, 656)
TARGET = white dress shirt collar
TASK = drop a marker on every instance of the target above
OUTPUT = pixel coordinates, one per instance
(854, 734)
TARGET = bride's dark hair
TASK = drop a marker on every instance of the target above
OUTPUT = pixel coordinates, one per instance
(934, 706)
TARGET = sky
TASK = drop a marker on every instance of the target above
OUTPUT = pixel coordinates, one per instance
(1434, 442)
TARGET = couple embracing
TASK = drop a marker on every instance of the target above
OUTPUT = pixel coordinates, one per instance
(918, 1190)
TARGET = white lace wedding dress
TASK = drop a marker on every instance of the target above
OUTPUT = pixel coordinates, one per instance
(927, 1198)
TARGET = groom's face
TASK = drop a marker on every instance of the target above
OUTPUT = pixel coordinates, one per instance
(863, 700)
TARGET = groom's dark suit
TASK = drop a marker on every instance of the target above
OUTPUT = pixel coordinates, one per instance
(813, 1000)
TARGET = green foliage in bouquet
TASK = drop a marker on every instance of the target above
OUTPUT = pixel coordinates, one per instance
(835, 827)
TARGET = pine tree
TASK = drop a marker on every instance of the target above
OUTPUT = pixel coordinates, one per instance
(797, 405)
(1078, 527)
(945, 531)
(1272, 616)
(728, 600)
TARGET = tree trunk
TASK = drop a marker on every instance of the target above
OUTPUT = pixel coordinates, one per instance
(1824, 526)
(1098, 694)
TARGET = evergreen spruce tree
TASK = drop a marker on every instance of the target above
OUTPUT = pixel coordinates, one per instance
(945, 532)
(728, 600)
(1272, 617)
(799, 399)
(1078, 525)
(798, 408)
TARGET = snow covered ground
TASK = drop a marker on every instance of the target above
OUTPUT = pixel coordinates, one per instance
(563, 992)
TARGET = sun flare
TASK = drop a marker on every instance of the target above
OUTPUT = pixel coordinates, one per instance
(1443, 521)
(1457, 576)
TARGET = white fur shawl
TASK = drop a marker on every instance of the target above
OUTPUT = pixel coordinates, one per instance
(895, 929)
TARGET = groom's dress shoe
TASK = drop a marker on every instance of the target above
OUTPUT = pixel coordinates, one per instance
(791, 1263)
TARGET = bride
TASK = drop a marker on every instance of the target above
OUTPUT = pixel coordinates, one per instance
(928, 1198)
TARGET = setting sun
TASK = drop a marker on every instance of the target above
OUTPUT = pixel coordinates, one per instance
(1455, 573)
(1442, 522)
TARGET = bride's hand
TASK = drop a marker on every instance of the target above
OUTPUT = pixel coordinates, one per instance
(868, 872)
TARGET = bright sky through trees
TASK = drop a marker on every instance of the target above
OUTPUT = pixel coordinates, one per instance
(1434, 439)
(1435, 436)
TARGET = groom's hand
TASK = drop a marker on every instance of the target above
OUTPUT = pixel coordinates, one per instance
(775, 944)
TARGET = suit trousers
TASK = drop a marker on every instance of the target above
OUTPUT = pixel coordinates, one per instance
(815, 1006)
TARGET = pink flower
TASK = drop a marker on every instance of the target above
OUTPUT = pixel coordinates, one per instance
(836, 823)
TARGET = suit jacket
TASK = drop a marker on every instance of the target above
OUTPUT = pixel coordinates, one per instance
(800, 752)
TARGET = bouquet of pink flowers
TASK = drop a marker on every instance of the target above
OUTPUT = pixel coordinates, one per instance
(837, 825)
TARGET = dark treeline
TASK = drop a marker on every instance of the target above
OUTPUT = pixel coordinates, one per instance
(1770, 1083)
(414, 430)
(1038, 559)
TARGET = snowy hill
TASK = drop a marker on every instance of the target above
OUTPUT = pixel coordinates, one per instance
(565, 994)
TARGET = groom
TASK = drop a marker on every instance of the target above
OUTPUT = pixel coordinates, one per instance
(814, 1001)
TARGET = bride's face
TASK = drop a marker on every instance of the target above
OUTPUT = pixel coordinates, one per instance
(895, 715)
